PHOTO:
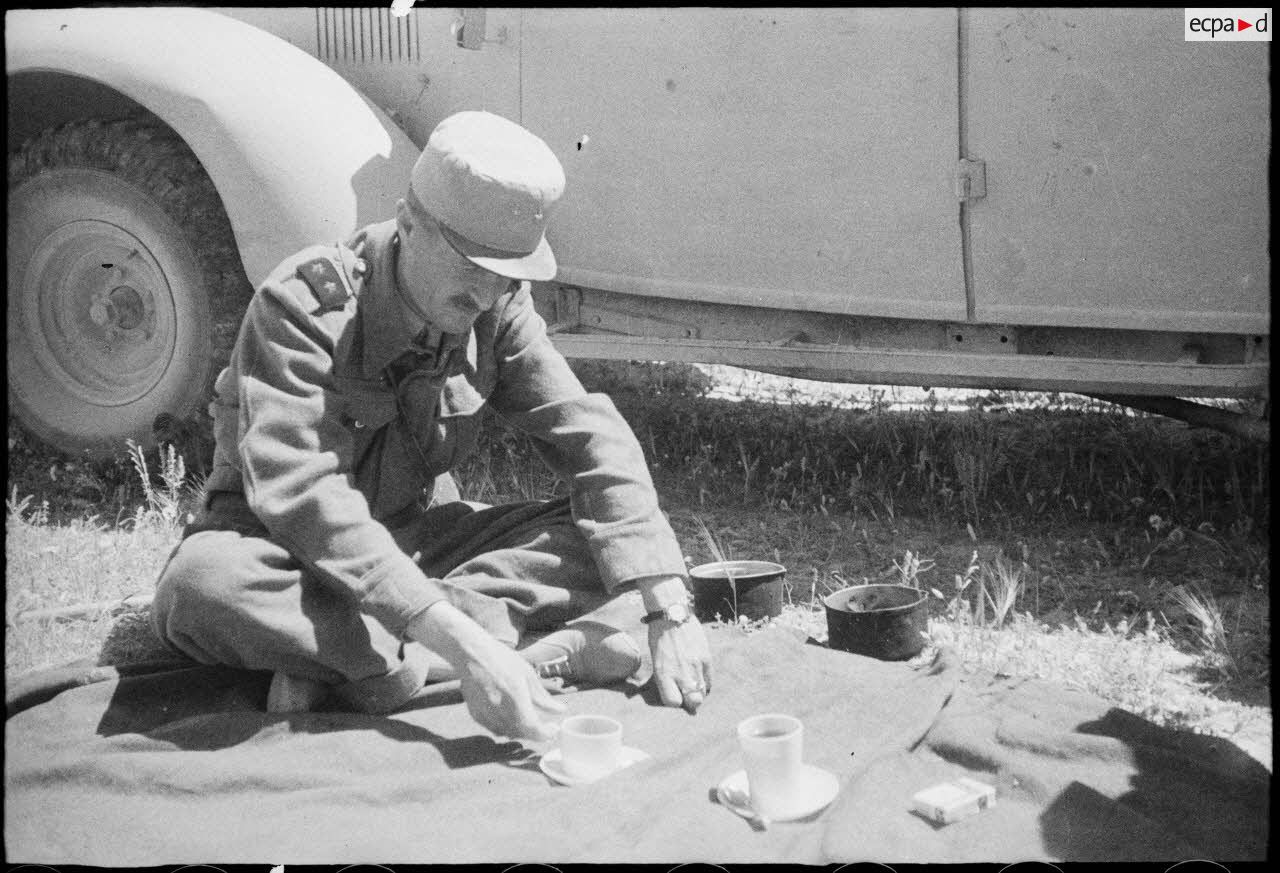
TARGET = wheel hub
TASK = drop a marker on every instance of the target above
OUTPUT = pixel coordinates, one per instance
(99, 312)
(123, 309)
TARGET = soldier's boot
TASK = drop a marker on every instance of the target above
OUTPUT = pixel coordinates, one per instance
(587, 652)
(295, 693)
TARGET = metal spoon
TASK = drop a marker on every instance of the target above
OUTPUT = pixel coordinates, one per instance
(740, 802)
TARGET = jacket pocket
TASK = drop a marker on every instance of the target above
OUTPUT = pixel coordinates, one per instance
(369, 405)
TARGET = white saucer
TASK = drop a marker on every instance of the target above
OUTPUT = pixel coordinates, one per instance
(818, 789)
(552, 764)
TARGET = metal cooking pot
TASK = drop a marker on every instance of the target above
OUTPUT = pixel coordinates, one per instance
(887, 622)
(733, 588)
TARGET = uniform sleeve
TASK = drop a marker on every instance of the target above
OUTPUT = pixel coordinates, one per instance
(295, 453)
(589, 445)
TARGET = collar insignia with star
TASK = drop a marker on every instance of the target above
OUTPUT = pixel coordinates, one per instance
(326, 284)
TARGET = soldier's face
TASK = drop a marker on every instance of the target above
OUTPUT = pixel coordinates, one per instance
(451, 290)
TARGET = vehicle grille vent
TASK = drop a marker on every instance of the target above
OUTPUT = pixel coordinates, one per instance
(363, 35)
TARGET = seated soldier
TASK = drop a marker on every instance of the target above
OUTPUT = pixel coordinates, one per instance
(333, 548)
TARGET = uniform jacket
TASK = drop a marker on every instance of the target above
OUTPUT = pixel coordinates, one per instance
(327, 447)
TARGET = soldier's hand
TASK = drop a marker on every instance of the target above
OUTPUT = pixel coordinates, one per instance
(502, 692)
(505, 695)
(681, 662)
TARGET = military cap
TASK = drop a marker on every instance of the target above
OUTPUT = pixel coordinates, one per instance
(491, 184)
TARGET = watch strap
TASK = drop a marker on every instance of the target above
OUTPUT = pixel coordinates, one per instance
(664, 614)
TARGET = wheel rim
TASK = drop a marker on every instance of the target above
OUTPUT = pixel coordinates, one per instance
(99, 313)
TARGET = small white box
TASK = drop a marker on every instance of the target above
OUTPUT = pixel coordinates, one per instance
(954, 800)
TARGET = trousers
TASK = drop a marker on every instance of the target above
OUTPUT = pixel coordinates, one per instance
(230, 595)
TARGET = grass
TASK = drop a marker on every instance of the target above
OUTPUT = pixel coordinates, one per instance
(80, 561)
(1120, 553)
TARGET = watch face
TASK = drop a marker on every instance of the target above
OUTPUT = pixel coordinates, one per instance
(678, 612)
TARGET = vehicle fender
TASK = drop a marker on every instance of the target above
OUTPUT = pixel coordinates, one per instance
(297, 154)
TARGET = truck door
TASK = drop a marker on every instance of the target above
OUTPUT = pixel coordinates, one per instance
(793, 158)
(1126, 171)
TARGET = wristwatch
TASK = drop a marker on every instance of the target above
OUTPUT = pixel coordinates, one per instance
(677, 612)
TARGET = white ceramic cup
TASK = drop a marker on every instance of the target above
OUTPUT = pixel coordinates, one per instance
(590, 745)
(771, 748)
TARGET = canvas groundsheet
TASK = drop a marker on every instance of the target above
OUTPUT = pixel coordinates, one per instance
(179, 763)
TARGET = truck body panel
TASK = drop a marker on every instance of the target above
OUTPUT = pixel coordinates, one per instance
(1052, 199)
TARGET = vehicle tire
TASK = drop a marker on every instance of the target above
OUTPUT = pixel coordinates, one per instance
(117, 258)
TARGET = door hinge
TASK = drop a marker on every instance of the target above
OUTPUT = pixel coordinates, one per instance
(469, 32)
(971, 179)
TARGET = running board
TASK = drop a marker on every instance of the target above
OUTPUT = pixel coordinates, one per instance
(942, 369)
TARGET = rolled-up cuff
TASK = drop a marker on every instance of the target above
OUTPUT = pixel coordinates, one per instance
(636, 552)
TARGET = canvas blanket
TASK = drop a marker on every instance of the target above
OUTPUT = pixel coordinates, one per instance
(179, 763)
